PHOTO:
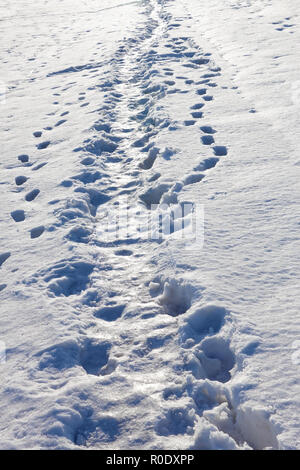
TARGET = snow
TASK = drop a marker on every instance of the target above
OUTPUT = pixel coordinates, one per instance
(127, 128)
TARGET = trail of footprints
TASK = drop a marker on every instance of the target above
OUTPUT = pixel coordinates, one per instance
(19, 215)
(124, 141)
(207, 356)
(284, 25)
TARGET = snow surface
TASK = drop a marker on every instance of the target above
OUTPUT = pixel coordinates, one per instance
(120, 341)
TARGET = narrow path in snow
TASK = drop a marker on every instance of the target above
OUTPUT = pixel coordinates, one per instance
(155, 378)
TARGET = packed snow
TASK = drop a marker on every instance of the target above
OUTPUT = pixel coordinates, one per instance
(149, 257)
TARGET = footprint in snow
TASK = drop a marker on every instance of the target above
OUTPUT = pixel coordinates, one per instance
(197, 115)
(189, 122)
(37, 134)
(207, 139)
(197, 106)
(32, 195)
(20, 180)
(39, 166)
(43, 145)
(59, 123)
(18, 215)
(207, 164)
(37, 232)
(4, 257)
(23, 158)
(110, 313)
(220, 151)
(207, 130)
(193, 178)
